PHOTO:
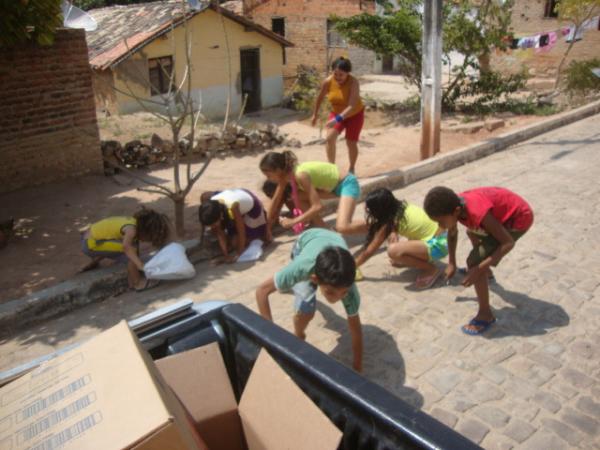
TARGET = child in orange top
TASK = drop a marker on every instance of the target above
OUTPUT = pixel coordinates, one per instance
(495, 218)
(343, 92)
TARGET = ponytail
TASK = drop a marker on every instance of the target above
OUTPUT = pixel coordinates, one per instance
(285, 161)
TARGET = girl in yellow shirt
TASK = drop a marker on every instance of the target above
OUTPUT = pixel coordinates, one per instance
(426, 242)
(118, 237)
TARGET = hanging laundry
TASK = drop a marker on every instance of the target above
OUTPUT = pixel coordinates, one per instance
(565, 30)
(572, 36)
(514, 44)
(544, 39)
(592, 24)
(552, 40)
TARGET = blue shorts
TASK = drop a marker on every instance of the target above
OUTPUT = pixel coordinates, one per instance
(305, 292)
(348, 187)
(437, 246)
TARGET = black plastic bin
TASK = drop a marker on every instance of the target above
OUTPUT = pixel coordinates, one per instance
(369, 416)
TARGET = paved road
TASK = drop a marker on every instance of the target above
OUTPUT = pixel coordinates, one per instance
(532, 382)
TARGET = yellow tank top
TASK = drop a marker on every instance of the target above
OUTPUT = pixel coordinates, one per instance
(110, 228)
(416, 225)
(339, 96)
(323, 175)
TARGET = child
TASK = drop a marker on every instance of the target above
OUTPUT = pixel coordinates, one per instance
(386, 215)
(269, 188)
(118, 237)
(314, 180)
(319, 258)
(236, 217)
(495, 218)
(343, 92)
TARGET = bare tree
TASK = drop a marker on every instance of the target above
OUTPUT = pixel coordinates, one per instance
(178, 110)
(577, 13)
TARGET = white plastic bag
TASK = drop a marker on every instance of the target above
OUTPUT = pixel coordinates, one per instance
(170, 263)
(253, 252)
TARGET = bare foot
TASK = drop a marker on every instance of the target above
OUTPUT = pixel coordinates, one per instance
(94, 263)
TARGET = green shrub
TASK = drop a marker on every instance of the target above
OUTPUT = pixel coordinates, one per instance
(488, 91)
(579, 80)
(304, 92)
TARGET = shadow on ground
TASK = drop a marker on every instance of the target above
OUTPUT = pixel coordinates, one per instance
(527, 316)
(382, 361)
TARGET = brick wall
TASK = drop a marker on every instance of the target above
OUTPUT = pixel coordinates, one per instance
(528, 19)
(306, 27)
(48, 128)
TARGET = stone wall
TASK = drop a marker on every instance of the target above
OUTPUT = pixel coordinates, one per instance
(306, 28)
(528, 19)
(48, 128)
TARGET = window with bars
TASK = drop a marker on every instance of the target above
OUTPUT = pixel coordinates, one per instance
(550, 8)
(160, 71)
(334, 39)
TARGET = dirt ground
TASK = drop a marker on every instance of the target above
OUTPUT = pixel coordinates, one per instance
(46, 247)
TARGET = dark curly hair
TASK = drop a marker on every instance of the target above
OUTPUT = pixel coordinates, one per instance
(152, 227)
(212, 211)
(441, 201)
(383, 210)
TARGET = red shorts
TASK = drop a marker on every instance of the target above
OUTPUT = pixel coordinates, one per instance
(353, 125)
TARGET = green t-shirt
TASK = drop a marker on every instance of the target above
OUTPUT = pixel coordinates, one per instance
(309, 245)
(323, 175)
(416, 225)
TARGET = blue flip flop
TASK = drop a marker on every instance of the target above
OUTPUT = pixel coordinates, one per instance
(483, 324)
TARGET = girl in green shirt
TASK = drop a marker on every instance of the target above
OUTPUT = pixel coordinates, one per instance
(314, 181)
(426, 242)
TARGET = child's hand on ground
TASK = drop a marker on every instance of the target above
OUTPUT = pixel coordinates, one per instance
(230, 259)
(286, 222)
(449, 271)
(217, 261)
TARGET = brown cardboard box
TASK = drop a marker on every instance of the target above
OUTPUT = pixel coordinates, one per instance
(105, 394)
(273, 412)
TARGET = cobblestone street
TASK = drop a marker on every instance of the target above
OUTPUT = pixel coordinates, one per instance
(531, 382)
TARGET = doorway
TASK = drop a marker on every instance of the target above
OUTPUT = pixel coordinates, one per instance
(250, 78)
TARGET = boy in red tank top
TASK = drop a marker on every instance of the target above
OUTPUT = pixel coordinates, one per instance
(495, 219)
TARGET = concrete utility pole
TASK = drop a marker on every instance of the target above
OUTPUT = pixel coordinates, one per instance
(431, 79)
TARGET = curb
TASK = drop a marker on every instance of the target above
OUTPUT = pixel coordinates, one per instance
(104, 283)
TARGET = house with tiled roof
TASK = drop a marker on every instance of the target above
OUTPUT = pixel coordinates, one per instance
(136, 47)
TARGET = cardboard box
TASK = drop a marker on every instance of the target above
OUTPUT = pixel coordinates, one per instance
(273, 412)
(105, 394)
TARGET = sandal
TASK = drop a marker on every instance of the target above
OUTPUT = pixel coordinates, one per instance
(149, 284)
(422, 283)
(482, 326)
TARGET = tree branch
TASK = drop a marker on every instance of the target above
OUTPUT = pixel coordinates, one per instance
(132, 174)
(154, 191)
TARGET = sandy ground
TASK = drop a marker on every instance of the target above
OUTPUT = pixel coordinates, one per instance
(46, 247)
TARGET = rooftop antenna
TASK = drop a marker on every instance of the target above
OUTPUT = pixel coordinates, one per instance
(74, 17)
